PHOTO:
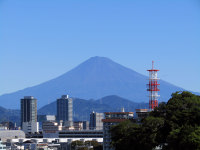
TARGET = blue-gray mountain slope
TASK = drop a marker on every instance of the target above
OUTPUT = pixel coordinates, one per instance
(97, 77)
(82, 108)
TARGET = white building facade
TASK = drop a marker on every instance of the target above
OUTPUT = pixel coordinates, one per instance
(30, 127)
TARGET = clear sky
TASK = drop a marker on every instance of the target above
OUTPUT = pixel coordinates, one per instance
(42, 39)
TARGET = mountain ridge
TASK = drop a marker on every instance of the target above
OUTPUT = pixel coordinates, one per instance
(82, 108)
(94, 78)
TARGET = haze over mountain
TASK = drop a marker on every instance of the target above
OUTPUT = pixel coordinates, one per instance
(97, 77)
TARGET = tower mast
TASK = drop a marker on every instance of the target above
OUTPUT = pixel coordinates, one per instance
(153, 87)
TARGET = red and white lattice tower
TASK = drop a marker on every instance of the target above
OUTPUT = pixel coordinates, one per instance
(153, 87)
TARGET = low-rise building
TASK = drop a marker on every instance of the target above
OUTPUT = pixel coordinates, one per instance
(113, 118)
(81, 134)
(2, 146)
(141, 114)
(43, 118)
(9, 125)
(78, 125)
(86, 125)
(11, 134)
(44, 143)
(30, 127)
(96, 121)
(2, 127)
(51, 128)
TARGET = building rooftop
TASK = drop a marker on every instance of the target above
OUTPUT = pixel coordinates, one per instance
(118, 113)
(11, 134)
(29, 97)
(113, 120)
(141, 110)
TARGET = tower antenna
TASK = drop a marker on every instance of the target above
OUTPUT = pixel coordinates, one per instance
(153, 87)
(152, 64)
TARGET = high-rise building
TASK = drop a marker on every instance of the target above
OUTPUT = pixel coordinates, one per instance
(65, 110)
(28, 109)
(96, 121)
(29, 114)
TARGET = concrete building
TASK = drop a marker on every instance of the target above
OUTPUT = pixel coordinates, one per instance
(51, 128)
(43, 118)
(96, 121)
(2, 146)
(3, 127)
(29, 114)
(28, 109)
(81, 134)
(141, 113)
(78, 125)
(9, 125)
(86, 125)
(30, 127)
(45, 143)
(113, 118)
(11, 134)
(65, 110)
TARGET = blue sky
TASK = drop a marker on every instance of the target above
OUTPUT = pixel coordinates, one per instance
(42, 39)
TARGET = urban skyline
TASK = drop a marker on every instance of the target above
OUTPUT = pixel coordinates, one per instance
(81, 74)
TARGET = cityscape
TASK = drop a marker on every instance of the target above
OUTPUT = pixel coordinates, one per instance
(99, 75)
(60, 131)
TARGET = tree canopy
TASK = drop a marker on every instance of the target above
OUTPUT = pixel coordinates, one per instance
(174, 125)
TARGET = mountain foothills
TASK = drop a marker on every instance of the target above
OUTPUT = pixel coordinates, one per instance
(9, 115)
(81, 108)
(97, 77)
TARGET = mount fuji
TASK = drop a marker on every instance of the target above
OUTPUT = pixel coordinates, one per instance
(95, 78)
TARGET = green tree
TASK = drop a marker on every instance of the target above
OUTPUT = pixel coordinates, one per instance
(184, 138)
(74, 144)
(80, 145)
(128, 135)
(151, 130)
(95, 144)
(182, 121)
(175, 125)
(121, 135)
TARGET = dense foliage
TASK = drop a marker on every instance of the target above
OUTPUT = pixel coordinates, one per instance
(174, 125)
(81, 145)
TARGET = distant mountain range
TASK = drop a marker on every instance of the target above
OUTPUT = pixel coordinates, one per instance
(81, 108)
(9, 115)
(94, 78)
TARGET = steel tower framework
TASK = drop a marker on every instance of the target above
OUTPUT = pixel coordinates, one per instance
(153, 87)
